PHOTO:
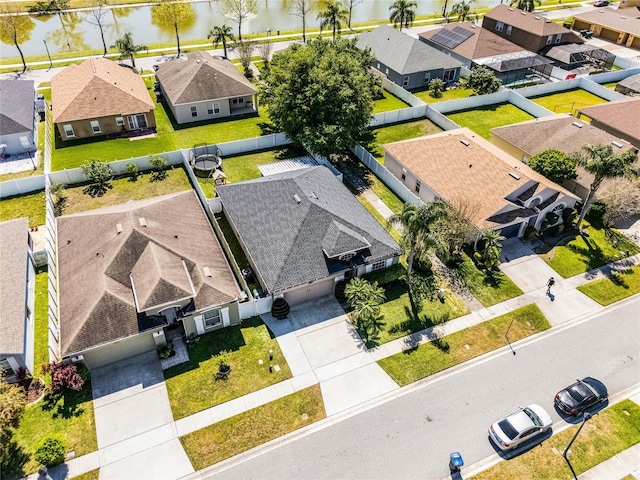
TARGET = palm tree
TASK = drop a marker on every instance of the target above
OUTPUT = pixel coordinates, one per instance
(462, 9)
(526, 5)
(333, 15)
(221, 35)
(491, 247)
(127, 48)
(602, 162)
(403, 12)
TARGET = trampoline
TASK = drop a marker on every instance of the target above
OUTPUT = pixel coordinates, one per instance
(205, 159)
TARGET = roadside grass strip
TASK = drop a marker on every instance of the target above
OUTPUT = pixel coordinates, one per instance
(249, 429)
(30, 205)
(618, 286)
(608, 433)
(91, 475)
(450, 350)
(192, 386)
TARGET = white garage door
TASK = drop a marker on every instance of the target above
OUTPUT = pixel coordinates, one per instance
(125, 348)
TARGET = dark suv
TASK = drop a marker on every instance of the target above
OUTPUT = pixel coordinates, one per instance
(581, 396)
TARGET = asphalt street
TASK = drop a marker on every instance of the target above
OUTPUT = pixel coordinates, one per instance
(412, 436)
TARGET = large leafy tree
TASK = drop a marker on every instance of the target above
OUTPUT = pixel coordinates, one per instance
(15, 29)
(220, 35)
(403, 12)
(554, 164)
(527, 5)
(300, 8)
(98, 17)
(333, 15)
(482, 81)
(12, 403)
(127, 48)
(621, 197)
(462, 9)
(175, 15)
(602, 162)
(321, 94)
(239, 11)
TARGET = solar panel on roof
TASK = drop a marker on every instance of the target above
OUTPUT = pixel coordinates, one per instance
(451, 38)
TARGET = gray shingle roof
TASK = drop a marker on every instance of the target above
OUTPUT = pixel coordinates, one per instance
(16, 106)
(632, 83)
(286, 220)
(403, 53)
(14, 236)
(199, 76)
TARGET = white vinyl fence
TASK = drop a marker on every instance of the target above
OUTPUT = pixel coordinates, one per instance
(401, 93)
(20, 186)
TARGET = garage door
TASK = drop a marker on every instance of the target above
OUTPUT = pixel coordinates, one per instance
(510, 231)
(309, 292)
(125, 348)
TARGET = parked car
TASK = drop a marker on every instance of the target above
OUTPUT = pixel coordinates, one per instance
(601, 3)
(520, 426)
(581, 396)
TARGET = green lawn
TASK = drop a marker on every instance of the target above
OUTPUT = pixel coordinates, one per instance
(482, 119)
(381, 220)
(611, 85)
(420, 362)
(488, 288)
(41, 322)
(30, 205)
(450, 94)
(124, 189)
(402, 318)
(620, 285)
(388, 103)
(192, 386)
(400, 131)
(581, 253)
(605, 435)
(568, 101)
(207, 186)
(249, 429)
(238, 168)
(92, 475)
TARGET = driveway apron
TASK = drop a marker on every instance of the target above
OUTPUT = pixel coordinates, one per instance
(522, 265)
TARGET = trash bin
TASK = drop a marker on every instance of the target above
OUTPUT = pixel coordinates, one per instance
(455, 461)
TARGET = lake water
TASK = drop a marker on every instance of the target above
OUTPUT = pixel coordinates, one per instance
(71, 32)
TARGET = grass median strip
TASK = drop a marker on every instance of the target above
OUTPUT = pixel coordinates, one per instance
(249, 429)
(620, 285)
(605, 435)
(450, 350)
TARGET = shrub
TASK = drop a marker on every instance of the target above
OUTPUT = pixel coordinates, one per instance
(280, 309)
(436, 87)
(543, 227)
(159, 165)
(552, 218)
(51, 451)
(386, 275)
(166, 351)
(422, 265)
(529, 232)
(595, 214)
(132, 169)
(99, 173)
(568, 216)
(64, 377)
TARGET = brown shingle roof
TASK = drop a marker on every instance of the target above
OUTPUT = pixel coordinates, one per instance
(98, 88)
(96, 264)
(478, 174)
(527, 21)
(620, 20)
(14, 236)
(483, 43)
(199, 76)
(621, 115)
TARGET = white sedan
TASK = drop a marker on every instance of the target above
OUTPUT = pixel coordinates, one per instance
(520, 426)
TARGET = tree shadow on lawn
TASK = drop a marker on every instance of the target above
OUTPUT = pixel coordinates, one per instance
(67, 404)
(14, 458)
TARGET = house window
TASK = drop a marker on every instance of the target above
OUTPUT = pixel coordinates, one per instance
(427, 76)
(120, 121)
(212, 318)
(209, 108)
(509, 28)
(386, 71)
(404, 174)
(237, 100)
(405, 81)
(378, 67)
(549, 39)
(558, 37)
(346, 257)
(449, 75)
(216, 108)
(417, 187)
(378, 265)
(194, 111)
(95, 126)
(68, 131)
(499, 26)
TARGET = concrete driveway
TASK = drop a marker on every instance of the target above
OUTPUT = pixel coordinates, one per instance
(524, 267)
(134, 421)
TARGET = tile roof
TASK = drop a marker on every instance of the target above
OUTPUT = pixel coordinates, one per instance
(403, 53)
(14, 235)
(483, 43)
(98, 88)
(478, 174)
(614, 19)
(621, 115)
(17, 99)
(286, 221)
(199, 76)
(165, 259)
(528, 21)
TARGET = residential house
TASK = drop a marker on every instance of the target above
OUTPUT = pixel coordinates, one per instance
(619, 118)
(466, 171)
(621, 26)
(18, 118)
(573, 56)
(562, 132)
(198, 86)
(127, 272)
(629, 86)
(405, 60)
(475, 46)
(530, 30)
(17, 284)
(303, 231)
(99, 97)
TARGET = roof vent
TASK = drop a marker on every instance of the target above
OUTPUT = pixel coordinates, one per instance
(616, 144)
(511, 9)
(536, 18)
(297, 198)
(465, 142)
(523, 13)
(515, 175)
(546, 20)
(143, 222)
(119, 228)
(207, 271)
(622, 16)
(576, 124)
(313, 195)
(197, 60)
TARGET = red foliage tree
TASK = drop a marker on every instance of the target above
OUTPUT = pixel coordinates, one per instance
(63, 377)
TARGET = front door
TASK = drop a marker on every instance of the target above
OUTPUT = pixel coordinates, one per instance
(137, 121)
